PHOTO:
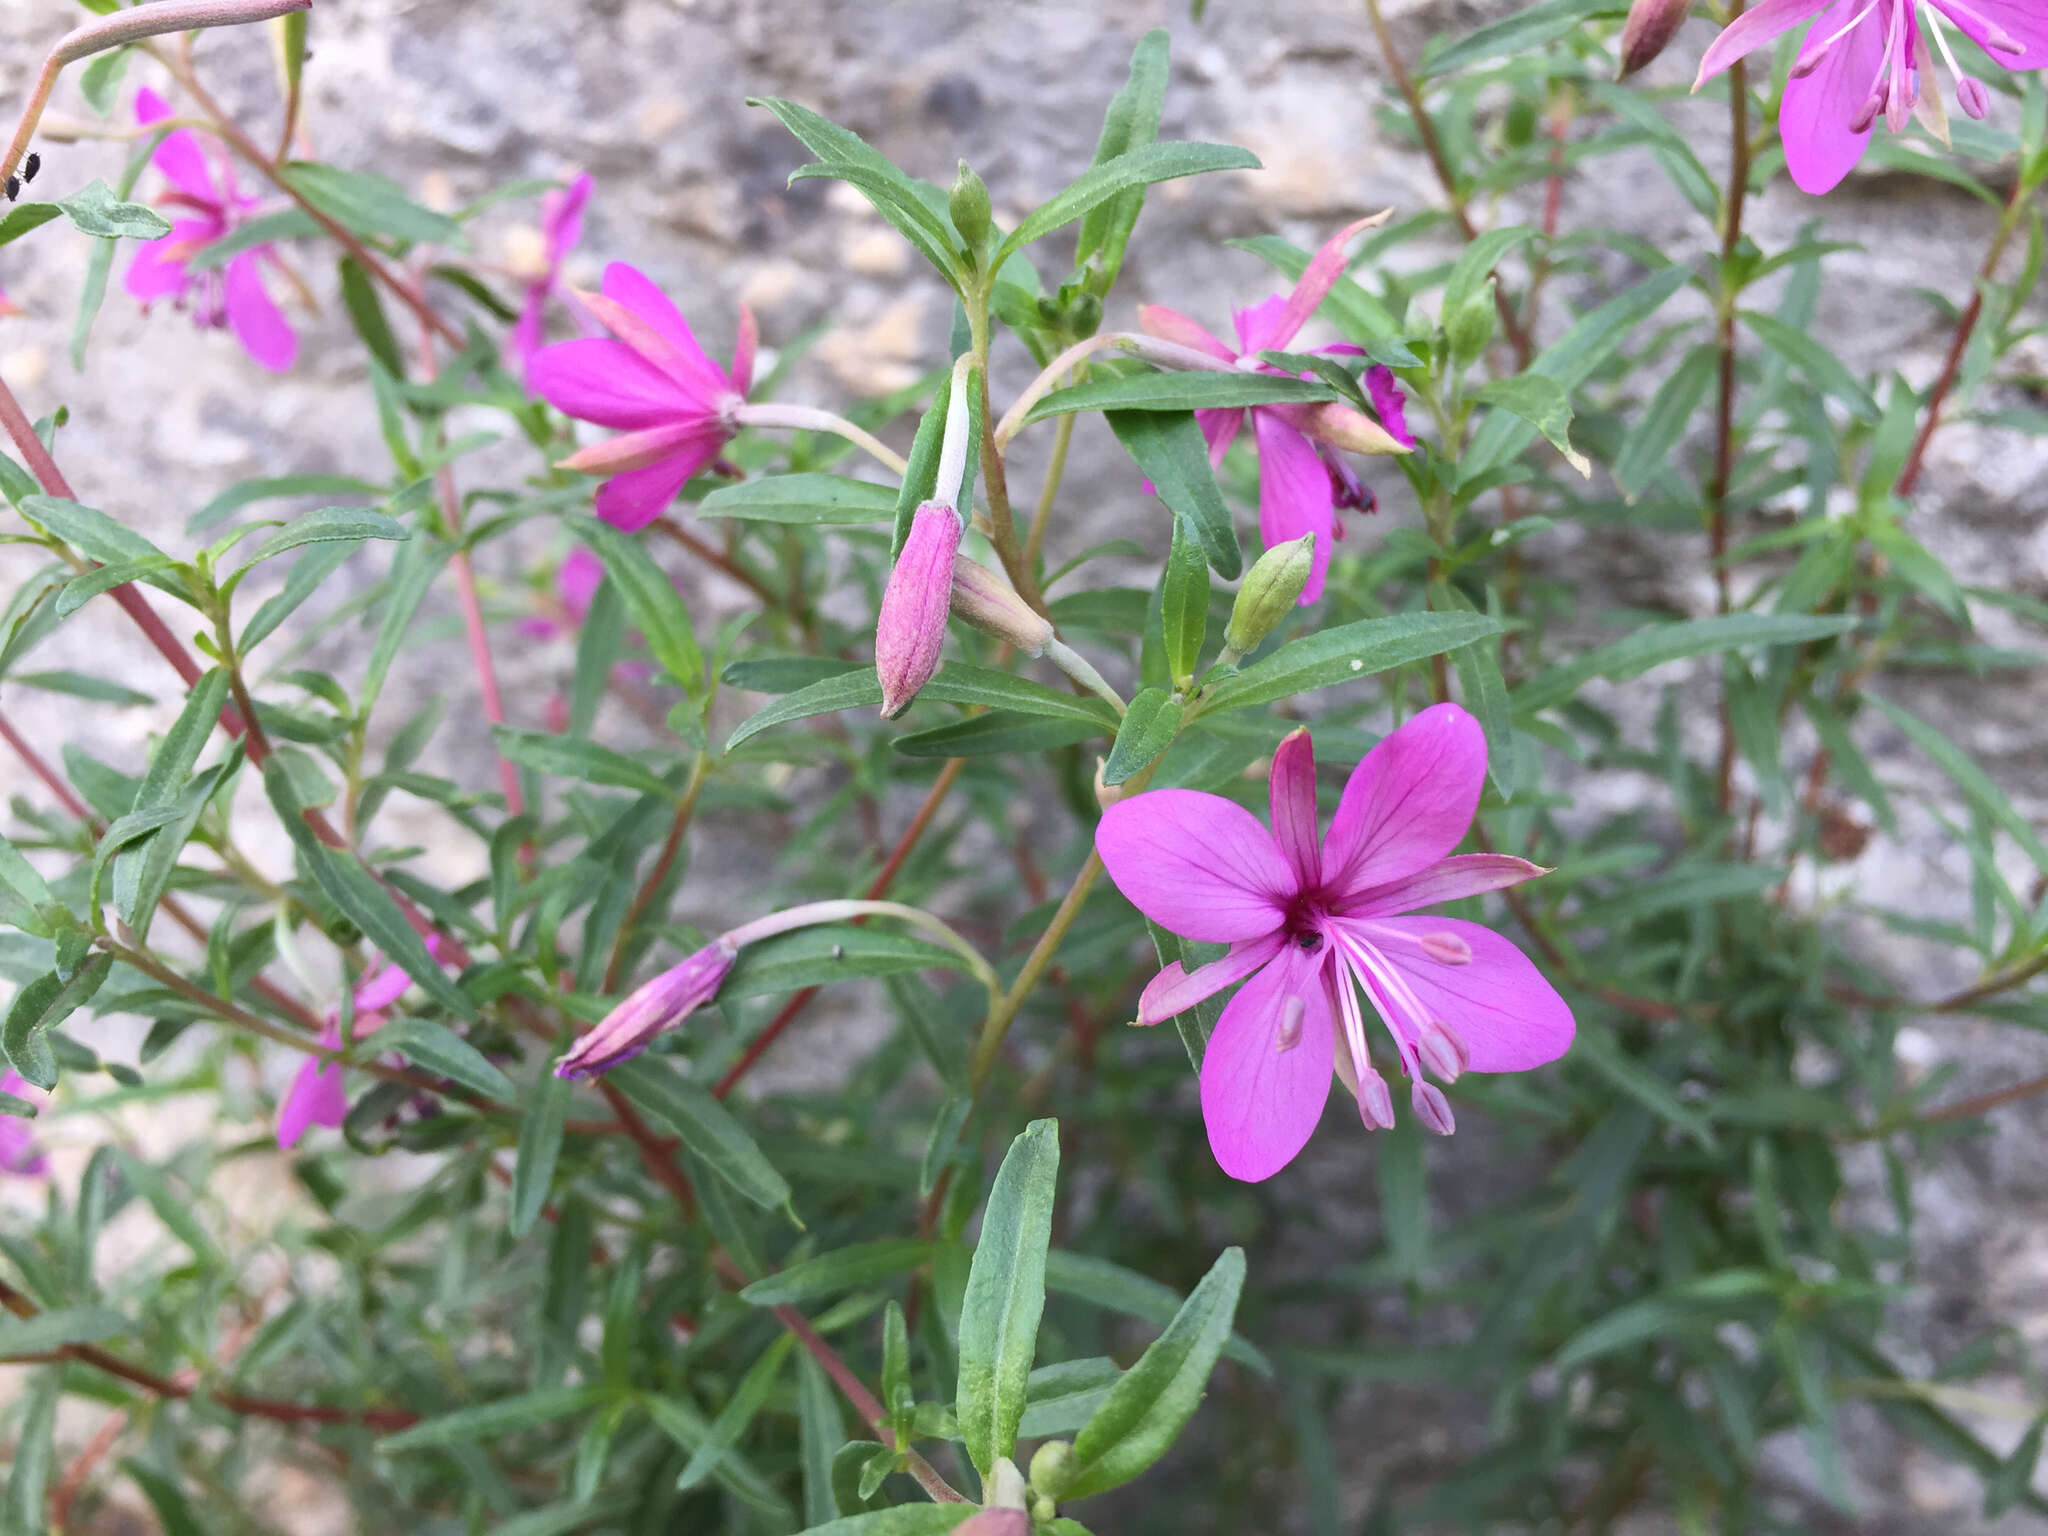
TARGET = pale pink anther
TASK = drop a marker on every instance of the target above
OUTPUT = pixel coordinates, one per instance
(1319, 927)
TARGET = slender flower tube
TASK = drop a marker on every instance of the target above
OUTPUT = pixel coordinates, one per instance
(672, 405)
(1301, 484)
(230, 294)
(985, 600)
(1865, 59)
(1313, 923)
(663, 1003)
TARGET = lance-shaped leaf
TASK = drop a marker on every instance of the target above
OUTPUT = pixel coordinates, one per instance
(1138, 167)
(1168, 447)
(1658, 643)
(650, 597)
(1006, 1295)
(40, 1007)
(1347, 652)
(806, 498)
(706, 1127)
(1148, 1407)
(1192, 391)
(1131, 122)
(843, 1269)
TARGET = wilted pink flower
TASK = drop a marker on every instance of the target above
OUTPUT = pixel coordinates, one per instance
(1866, 58)
(1296, 493)
(231, 294)
(911, 626)
(655, 1006)
(318, 1094)
(672, 405)
(19, 1153)
(1311, 925)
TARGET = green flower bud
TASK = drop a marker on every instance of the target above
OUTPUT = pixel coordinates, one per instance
(1084, 316)
(968, 204)
(1052, 1469)
(1471, 329)
(1270, 589)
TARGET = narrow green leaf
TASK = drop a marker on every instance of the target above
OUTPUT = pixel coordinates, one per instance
(25, 218)
(1347, 653)
(815, 957)
(1131, 122)
(347, 524)
(81, 590)
(1006, 1295)
(1101, 1283)
(1168, 446)
(805, 498)
(1820, 367)
(651, 598)
(1148, 729)
(843, 1269)
(739, 1412)
(1225, 389)
(848, 690)
(1146, 1410)
(175, 1210)
(1542, 403)
(366, 310)
(35, 1452)
(48, 1331)
(1646, 450)
(40, 1007)
(437, 1048)
(95, 210)
(821, 1430)
(1657, 644)
(540, 1146)
(367, 204)
(1184, 605)
(1974, 782)
(564, 757)
(493, 1421)
(1139, 167)
(999, 733)
(275, 488)
(706, 1127)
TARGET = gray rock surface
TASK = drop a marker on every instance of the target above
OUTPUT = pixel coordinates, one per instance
(452, 97)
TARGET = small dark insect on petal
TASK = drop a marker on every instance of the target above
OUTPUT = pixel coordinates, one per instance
(13, 188)
(30, 166)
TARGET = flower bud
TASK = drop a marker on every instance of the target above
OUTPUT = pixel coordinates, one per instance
(1052, 1469)
(1084, 316)
(1650, 26)
(1470, 329)
(995, 1522)
(912, 624)
(1269, 590)
(968, 203)
(985, 600)
(657, 1005)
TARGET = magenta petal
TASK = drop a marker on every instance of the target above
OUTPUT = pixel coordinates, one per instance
(381, 988)
(1461, 875)
(1176, 989)
(1198, 864)
(1219, 430)
(1814, 118)
(528, 334)
(1388, 403)
(158, 270)
(634, 289)
(318, 1095)
(1754, 28)
(1261, 1103)
(1509, 1017)
(2023, 21)
(576, 583)
(599, 380)
(1171, 325)
(1259, 326)
(1291, 794)
(561, 218)
(633, 500)
(1294, 495)
(1315, 283)
(179, 157)
(253, 315)
(1407, 804)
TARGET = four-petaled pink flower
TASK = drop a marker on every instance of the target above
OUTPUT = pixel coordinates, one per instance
(19, 1154)
(672, 405)
(1301, 480)
(561, 227)
(1863, 59)
(231, 294)
(1313, 925)
(318, 1094)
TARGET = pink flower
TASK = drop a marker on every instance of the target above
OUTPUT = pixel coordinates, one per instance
(576, 583)
(19, 1154)
(318, 1094)
(1298, 484)
(561, 222)
(1311, 925)
(1863, 58)
(231, 294)
(650, 379)
(911, 626)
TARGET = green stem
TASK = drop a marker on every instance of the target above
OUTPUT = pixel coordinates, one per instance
(1034, 542)
(994, 479)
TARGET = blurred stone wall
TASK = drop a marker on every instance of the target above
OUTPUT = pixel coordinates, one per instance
(454, 97)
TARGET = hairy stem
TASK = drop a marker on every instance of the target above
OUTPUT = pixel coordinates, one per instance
(1041, 516)
(1724, 408)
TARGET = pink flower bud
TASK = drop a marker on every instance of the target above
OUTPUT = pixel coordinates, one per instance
(912, 625)
(1650, 26)
(1972, 97)
(1432, 1108)
(657, 1005)
(985, 600)
(996, 1522)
